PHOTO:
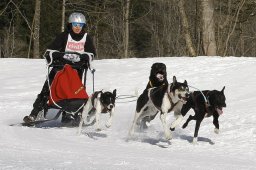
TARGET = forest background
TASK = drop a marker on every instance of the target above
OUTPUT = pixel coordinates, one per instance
(133, 28)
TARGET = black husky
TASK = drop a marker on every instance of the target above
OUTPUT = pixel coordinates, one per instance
(205, 104)
(157, 78)
(158, 75)
(163, 99)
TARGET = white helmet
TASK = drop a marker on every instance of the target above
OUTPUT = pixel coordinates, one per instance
(77, 17)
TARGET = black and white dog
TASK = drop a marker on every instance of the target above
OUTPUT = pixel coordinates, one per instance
(158, 75)
(99, 102)
(205, 104)
(163, 99)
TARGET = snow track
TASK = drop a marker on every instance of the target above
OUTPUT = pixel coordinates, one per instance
(60, 148)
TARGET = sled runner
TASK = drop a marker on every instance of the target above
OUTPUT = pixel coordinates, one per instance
(37, 122)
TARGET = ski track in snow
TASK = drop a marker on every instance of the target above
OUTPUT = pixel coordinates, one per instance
(61, 148)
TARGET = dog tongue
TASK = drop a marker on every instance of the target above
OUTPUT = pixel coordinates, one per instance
(220, 112)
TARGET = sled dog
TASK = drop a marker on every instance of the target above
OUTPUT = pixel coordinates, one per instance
(158, 75)
(99, 102)
(205, 104)
(163, 99)
(157, 78)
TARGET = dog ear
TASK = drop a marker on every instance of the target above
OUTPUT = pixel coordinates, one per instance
(153, 65)
(223, 89)
(99, 94)
(114, 92)
(185, 82)
(174, 80)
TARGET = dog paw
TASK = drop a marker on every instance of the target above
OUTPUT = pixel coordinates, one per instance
(147, 123)
(184, 126)
(168, 136)
(108, 125)
(194, 142)
(172, 129)
(87, 120)
(130, 134)
(217, 131)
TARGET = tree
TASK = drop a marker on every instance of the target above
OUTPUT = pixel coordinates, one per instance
(126, 28)
(208, 28)
(36, 52)
(63, 15)
(139, 28)
(185, 26)
(15, 19)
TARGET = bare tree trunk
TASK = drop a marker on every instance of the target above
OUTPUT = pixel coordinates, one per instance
(209, 42)
(9, 40)
(63, 15)
(13, 41)
(31, 36)
(1, 48)
(185, 26)
(234, 26)
(126, 28)
(36, 29)
(242, 46)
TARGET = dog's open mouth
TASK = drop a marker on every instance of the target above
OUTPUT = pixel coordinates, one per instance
(160, 76)
(219, 110)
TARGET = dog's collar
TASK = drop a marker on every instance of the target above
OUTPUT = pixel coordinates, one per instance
(151, 85)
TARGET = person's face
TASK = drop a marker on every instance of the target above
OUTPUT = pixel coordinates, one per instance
(77, 27)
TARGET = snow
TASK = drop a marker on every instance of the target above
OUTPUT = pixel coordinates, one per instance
(61, 148)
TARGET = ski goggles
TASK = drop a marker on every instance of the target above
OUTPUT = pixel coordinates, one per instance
(75, 24)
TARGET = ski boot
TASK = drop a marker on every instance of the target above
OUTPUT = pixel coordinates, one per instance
(29, 119)
(32, 117)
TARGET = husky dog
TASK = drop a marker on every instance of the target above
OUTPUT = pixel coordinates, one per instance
(205, 104)
(163, 99)
(99, 102)
(158, 75)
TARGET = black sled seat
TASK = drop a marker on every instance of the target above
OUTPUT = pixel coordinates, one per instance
(58, 61)
(69, 105)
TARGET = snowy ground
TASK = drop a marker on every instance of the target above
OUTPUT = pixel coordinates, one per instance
(61, 148)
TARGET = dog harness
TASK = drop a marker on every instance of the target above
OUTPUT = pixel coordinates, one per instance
(206, 104)
(150, 93)
(151, 85)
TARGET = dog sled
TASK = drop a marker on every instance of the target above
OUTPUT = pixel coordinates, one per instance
(67, 89)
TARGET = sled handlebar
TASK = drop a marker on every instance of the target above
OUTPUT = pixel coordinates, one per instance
(56, 58)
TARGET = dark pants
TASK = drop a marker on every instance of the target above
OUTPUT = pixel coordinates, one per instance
(43, 97)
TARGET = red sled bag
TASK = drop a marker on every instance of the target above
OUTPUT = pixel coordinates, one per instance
(67, 85)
